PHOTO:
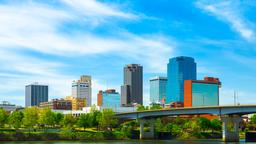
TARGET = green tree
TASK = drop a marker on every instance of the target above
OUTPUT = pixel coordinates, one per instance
(155, 107)
(30, 118)
(141, 108)
(216, 125)
(47, 117)
(108, 119)
(15, 119)
(96, 117)
(58, 118)
(253, 119)
(174, 129)
(204, 123)
(69, 121)
(85, 120)
(159, 125)
(3, 117)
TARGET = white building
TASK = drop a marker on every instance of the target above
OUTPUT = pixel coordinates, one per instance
(86, 110)
(83, 89)
(8, 106)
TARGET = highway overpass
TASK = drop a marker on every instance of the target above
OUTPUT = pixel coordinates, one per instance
(228, 114)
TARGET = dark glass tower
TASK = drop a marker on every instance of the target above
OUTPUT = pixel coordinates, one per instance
(179, 69)
(132, 89)
(35, 94)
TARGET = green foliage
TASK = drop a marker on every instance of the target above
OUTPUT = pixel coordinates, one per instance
(96, 116)
(127, 128)
(30, 118)
(216, 125)
(69, 121)
(141, 108)
(174, 129)
(204, 123)
(108, 119)
(47, 117)
(159, 125)
(58, 118)
(15, 119)
(253, 119)
(155, 107)
(85, 120)
(3, 117)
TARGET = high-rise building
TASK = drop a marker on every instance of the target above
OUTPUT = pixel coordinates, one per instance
(179, 69)
(158, 90)
(35, 94)
(109, 99)
(201, 92)
(82, 89)
(132, 89)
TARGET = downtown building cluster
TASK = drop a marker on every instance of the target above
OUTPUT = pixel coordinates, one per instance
(180, 88)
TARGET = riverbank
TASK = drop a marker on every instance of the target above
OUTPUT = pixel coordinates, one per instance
(42, 136)
(123, 142)
(89, 136)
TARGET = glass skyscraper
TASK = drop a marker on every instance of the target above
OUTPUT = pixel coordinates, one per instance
(35, 94)
(158, 90)
(179, 69)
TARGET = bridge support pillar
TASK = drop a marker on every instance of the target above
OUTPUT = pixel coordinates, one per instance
(147, 134)
(230, 128)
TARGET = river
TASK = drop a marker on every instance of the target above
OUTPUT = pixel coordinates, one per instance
(126, 142)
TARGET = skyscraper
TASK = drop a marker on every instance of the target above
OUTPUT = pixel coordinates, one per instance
(179, 69)
(82, 89)
(132, 89)
(35, 94)
(158, 90)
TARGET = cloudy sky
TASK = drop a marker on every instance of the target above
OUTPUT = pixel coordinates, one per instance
(54, 42)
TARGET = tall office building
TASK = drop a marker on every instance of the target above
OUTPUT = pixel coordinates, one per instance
(201, 92)
(109, 99)
(82, 89)
(158, 90)
(35, 94)
(132, 89)
(179, 69)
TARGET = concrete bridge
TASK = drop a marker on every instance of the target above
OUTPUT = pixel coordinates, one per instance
(228, 115)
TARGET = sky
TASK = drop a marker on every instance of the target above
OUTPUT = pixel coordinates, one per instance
(54, 42)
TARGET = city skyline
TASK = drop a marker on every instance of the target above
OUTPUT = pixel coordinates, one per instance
(54, 46)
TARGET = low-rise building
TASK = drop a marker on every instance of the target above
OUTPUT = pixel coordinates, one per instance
(8, 106)
(201, 92)
(109, 98)
(57, 104)
(77, 103)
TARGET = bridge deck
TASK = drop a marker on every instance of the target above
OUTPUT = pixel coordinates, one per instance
(213, 110)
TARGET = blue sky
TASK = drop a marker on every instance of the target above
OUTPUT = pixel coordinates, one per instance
(54, 42)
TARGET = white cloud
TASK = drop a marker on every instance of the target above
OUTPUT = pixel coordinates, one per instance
(36, 27)
(229, 11)
(97, 9)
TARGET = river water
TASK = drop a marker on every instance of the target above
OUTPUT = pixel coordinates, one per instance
(127, 142)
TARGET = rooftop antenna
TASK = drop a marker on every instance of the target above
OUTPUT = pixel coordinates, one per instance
(234, 97)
